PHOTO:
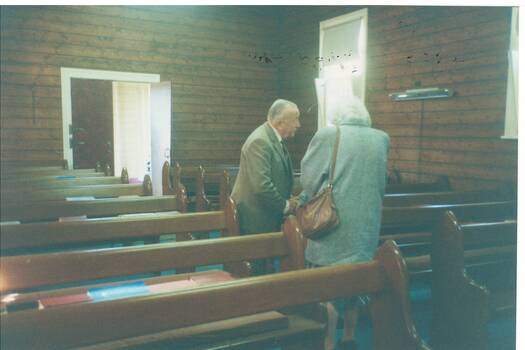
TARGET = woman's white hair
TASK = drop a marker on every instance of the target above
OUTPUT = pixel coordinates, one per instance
(347, 110)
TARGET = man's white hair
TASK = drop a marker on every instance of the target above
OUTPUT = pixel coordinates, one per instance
(347, 110)
(278, 107)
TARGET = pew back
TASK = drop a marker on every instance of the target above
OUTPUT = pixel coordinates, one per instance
(424, 217)
(30, 212)
(446, 197)
(27, 195)
(206, 190)
(128, 228)
(35, 172)
(384, 279)
(62, 181)
(462, 306)
(441, 184)
(29, 271)
(412, 227)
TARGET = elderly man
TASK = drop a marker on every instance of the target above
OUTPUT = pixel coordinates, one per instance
(264, 183)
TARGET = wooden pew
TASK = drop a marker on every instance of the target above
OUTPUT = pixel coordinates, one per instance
(412, 227)
(61, 181)
(62, 163)
(441, 184)
(52, 211)
(49, 167)
(234, 170)
(64, 181)
(18, 195)
(212, 189)
(447, 197)
(200, 192)
(218, 181)
(32, 172)
(289, 249)
(424, 217)
(118, 229)
(71, 326)
(394, 176)
(394, 185)
(207, 186)
(171, 183)
(462, 306)
(205, 190)
(22, 272)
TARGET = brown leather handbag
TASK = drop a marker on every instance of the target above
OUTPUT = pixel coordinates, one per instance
(319, 216)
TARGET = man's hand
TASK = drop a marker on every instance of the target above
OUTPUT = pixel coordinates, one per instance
(293, 205)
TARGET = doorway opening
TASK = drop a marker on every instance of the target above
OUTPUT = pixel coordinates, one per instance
(118, 118)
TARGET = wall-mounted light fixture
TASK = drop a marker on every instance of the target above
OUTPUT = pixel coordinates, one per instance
(421, 94)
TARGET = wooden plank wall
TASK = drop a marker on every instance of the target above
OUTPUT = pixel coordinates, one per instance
(227, 64)
(220, 90)
(463, 48)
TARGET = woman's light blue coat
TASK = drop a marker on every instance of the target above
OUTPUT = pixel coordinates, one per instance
(359, 186)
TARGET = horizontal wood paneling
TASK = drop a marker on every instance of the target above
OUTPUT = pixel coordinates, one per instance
(462, 48)
(227, 64)
(206, 52)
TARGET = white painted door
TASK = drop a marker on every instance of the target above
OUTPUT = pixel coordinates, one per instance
(132, 129)
(160, 131)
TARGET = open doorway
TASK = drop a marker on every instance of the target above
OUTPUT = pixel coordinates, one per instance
(117, 118)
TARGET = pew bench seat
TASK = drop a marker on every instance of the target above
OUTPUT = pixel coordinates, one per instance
(421, 264)
(259, 331)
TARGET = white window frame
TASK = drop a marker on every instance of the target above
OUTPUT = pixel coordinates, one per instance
(512, 99)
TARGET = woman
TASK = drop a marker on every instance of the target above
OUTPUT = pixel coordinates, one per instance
(358, 188)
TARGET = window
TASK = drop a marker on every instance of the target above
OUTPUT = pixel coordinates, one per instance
(511, 111)
(342, 60)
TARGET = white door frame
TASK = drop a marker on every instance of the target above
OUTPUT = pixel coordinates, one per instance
(66, 74)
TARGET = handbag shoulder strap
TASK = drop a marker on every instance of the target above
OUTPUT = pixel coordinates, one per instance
(334, 156)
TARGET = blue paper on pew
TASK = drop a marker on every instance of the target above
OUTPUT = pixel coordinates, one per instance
(65, 177)
(125, 290)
